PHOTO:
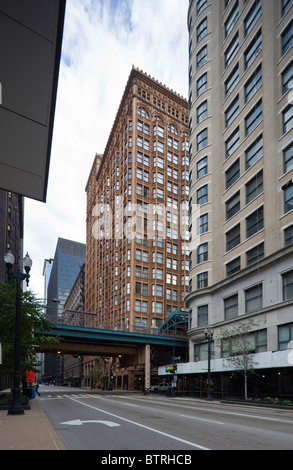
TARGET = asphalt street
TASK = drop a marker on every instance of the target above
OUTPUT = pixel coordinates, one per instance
(92, 420)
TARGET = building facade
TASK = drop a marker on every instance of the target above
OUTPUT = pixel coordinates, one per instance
(137, 207)
(11, 229)
(241, 182)
(68, 259)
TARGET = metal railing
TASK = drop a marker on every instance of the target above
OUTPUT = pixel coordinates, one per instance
(91, 320)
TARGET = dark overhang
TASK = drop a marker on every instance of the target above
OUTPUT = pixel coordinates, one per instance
(30, 49)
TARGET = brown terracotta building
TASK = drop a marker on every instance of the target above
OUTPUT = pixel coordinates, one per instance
(137, 211)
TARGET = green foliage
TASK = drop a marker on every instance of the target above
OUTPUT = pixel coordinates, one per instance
(33, 324)
(96, 374)
(237, 345)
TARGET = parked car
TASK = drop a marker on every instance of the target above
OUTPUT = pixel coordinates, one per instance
(162, 387)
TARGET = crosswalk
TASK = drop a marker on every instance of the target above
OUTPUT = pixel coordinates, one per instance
(72, 395)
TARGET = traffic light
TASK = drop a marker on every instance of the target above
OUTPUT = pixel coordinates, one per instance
(175, 369)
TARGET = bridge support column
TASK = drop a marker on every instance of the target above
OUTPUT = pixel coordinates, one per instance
(147, 368)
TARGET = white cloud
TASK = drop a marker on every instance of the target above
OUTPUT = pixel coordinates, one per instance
(102, 40)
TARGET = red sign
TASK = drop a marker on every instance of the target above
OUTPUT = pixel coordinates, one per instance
(30, 376)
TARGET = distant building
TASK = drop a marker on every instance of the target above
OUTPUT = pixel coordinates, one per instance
(47, 268)
(11, 229)
(68, 259)
(137, 211)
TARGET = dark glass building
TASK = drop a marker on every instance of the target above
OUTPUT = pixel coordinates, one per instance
(68, 259)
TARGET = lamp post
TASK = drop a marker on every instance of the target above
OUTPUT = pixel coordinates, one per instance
(16, 408)
(209, 337)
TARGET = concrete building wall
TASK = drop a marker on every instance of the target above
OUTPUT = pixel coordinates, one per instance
(248, 70)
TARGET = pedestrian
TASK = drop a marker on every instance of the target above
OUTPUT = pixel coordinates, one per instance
(37, 389)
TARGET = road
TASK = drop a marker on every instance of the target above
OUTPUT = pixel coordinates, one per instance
(92, 420)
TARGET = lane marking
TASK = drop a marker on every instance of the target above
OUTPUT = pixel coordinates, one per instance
(144, 426)
(217, 410)
(202, 419)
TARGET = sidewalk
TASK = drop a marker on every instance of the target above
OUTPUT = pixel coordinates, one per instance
(31, 431)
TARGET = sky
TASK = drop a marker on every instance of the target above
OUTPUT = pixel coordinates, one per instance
(102, 40)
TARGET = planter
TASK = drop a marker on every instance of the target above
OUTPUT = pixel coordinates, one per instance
(263, 405)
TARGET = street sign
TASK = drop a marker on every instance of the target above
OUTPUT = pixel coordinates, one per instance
(30, 376)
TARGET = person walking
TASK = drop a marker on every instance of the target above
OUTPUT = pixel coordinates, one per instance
(37, 389)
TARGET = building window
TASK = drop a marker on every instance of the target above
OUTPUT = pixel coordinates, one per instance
(252, 17)
(252, 51)
(202, 315)
(261, 341)
(232, 81)
(253, 299)
(285, 334)
(202, 57)
(255, 254)
(232, 143)
(232, 174)
(253, 84)
(233, 205)
(287, 38)
(202, 111)
(202, 280)
(253, 118)
(288, 198)
(231, 307)
(202, 253)
(202, 139)
(202, 167)
(231, 20)
(202, 29)
(202, 84)
(254, 152)
(231, 50)
(288, 158)
(202, 224)
(286, 5)
(202, 195)
(287, 118)
(231, 112)
(287, 78)
(287, 285)
(233, 266)
(233, 238)
(254, 222)
(200, 5)
(201, 352)
(254, 187)
(288, 235)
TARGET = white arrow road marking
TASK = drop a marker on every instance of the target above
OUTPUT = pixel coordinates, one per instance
(78, 422)
(143, 426)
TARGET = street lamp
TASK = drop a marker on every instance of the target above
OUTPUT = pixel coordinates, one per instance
(209, 337)
(16, 408)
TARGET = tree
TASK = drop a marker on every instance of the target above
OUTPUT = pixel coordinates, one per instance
(33, 324)
(96, 373)
(238, 347)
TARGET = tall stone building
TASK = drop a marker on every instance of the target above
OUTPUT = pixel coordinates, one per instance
(11, 229)
(137, 206)
(241, 180)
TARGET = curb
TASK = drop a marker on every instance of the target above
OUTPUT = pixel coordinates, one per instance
(261, 405)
